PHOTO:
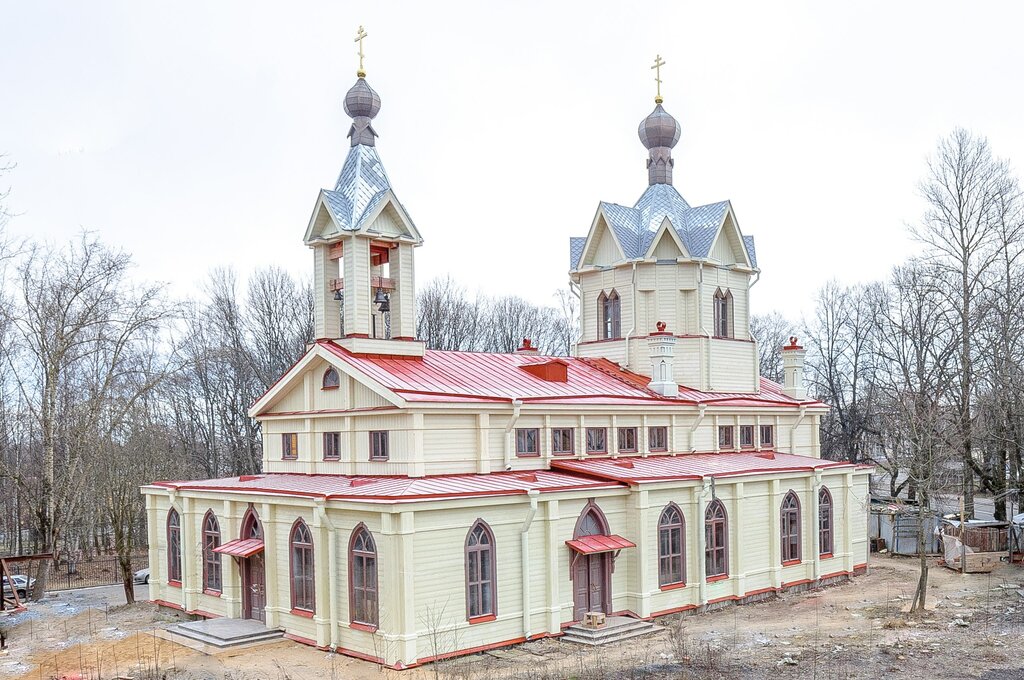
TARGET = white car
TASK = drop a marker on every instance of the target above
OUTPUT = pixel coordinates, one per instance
(22, 584)
(142, 576)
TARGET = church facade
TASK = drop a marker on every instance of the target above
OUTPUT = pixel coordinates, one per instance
(415, 503)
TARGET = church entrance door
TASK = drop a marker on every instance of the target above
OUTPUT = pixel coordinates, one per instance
(589, 584)
(254, 593)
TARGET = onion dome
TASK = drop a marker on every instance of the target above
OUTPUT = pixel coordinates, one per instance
(659, 129)
(362, 103)
(659, 132)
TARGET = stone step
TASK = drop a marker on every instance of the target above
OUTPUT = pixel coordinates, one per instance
(617, 628)
(223, 643)
(616, 636)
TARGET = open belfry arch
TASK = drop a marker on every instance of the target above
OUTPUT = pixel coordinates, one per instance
(410, 495)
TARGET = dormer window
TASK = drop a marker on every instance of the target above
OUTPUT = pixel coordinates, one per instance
(331, 381)
(723, 314)
(608, 316)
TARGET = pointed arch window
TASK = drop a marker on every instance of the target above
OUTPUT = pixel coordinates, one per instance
(825, 531)
(608, 314)
(790, 528)
(480, 572)
(211, 560)
(173, 547)
(362, 569)
(716, 540)
(251, 527)
(723, 314)
(331, 380)
(671, 551)
(303, 576)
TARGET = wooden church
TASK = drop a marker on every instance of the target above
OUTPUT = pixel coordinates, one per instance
(497, 498)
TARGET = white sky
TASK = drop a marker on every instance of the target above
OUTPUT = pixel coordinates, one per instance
(197, 134)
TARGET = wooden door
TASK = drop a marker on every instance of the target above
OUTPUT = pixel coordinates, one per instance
(254, 593)
(597, 563)
(589, 585)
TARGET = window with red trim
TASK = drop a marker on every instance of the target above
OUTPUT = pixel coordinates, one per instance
(173, 546)
(657, 438)
(767, 435)
(527, 441)
(825, 521)
(331, 380)
(211, 559)
(725, 436)
(362, 564)
(790, 527)
(332, 445)
(379, 445)
(562, 439)
(746, 436)
(303, 575)
(289, 446)
(627, 439)
(716, 540)
(480, 571)
(597, 440)
(671, 562)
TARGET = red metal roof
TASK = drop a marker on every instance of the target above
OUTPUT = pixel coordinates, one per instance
(241, 547)
(693, 466)
(484, 376)
(396, 489)
(588, 545)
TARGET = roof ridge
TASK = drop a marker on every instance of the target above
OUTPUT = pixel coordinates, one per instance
(591, 361)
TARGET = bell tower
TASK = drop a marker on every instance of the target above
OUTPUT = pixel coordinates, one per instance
(363, 242)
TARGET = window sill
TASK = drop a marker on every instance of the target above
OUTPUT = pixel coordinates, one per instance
(331, 459)
(825, 556)
(527, 455)
(481, 619)
(562, 454)
(305, 613)
(674, 586)
(719, 577)
(378, 460)
(790, 563)
(597, 453)
(363, 626)
(325, 388)
(289, 457)
(627, 450)
(174, 584)
(658, 451)
(211, 592)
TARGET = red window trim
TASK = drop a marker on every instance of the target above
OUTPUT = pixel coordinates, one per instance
(481, 619)
(753, 434)
(826, 556)
(526, 454)
(294, 455)
(174, 584)
(791, 563)
(355, 625)
(296, 527)
(305, 613)
(490, 578)
(330, 387)
(323, 379)
(717, 577)
(359, 530)
(595, 452)
(211, 592)
(677, 585)
(657, 449)
(337, 452)
(784, 537)
(386, 441)
(636, 437)
(208, 554)
(572, 441)
(724, 548)
(679, 526)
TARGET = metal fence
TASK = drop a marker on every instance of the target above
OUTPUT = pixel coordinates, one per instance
(99, 571)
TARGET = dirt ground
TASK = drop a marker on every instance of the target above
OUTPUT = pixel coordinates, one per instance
(972, 629)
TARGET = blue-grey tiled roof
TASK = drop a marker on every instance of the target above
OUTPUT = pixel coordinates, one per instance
(576, 244)
(361, 186)
(636, 227)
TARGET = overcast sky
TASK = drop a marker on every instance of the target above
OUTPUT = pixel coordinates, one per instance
(197, 134)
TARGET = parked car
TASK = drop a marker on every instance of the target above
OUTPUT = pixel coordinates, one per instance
(22, 584)
(142, 576)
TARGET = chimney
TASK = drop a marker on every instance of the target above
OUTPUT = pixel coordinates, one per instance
(527, 348)
(793, 368)
(661, 346)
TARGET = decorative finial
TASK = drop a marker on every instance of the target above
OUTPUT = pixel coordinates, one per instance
(658, 63)
(361, 73)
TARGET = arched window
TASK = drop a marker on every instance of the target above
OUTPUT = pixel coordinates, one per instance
(825, 536)
(591, 523)
(331, 380)
(302, 572)
(211, 559)
(790, 528)
(480, 571)
(174, 547)
(362, 569)
(723, 314)
(251, 527)
(608, 316)
(716, 540)
(671, 529)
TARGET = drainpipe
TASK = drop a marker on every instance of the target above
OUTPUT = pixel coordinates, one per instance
(575, 289)
(701, 408)
(332, 556)
(524, 543)
(625, 364)
(700, 314)
(516, 405)
(702, 585)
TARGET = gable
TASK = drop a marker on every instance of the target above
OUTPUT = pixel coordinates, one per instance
(729, 247)
(321, 224)
(602, 248)
(388, 223)
(666, 244)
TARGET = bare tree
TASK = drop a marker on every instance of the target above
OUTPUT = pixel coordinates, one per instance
(446, 317)
(772, 331)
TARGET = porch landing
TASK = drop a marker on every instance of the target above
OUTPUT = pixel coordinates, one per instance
(211, 636)
(616, 628)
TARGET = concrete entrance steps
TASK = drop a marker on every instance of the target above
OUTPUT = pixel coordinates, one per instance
(211, 636)
(615, 629)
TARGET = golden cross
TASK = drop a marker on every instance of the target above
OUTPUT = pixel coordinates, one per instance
(359, 39)
(658, 63)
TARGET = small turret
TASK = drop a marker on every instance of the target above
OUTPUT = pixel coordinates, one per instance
(793, 370)
(661, 346)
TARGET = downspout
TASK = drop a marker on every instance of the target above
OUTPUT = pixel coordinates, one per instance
(524, 543)
(702, 585)
(516, 405)
(332, 556)
(701, 408)
(700, 314)
(625, 364)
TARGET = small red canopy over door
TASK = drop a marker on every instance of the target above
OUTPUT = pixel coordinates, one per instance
(241, 547)
(591, 545)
